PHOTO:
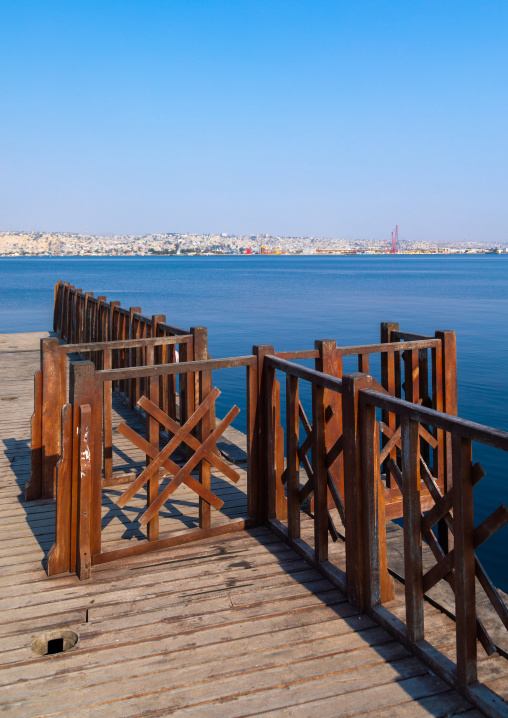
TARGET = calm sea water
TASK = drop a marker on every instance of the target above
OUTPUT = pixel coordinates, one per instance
(291, 301)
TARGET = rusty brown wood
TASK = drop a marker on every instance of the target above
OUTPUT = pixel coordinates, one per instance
(159, 353)
(363, 363)
(191, 463)
(464, 561)
(461, 427)
(269, 428)
(378, 583)
(153, 436)
(386, 347)
(130, 388)
(168, 450)
(122, 344)
(108, 419)
(319, 472)
(204, 428)
(186, 384)
(81, 391)
(280, 498)
(439, 452)
(253, 481)
(180, 368)
(138, 549)
(293, 461)
(96, 449)
(449, 389)
(355, 571)
(388, 383)
(84, 548)
(412, 528)
(56, 305)
(408, 336)
(50, 414)
(59, 555)
(168, 464)
(258, 422)
(33, 488)
(188, 439)
(327, 363)
(298, 355)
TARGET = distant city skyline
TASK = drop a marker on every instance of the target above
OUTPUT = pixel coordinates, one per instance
(326, 119)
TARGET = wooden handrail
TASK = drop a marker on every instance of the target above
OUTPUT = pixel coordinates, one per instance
(448, 422)
(125, 344)
(180, 368)
(429, 343)
(314, 377)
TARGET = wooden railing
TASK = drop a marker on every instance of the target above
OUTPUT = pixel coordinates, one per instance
(80, 478)
(51, 393)
(111, 337)
(362, 509)
(420, 368)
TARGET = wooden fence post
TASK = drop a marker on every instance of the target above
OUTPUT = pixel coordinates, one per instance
(204, 429)
(366, 569)
(130, 384)
(51, 408)
(187, 386)
(449, 403)
(59, 555)
(413, 564)
(152, 435)
(33, 488)
(256, 437)
(378, 583)
(84, 547)
(81, 392)
(265, 454)
(327, 363)
(464, 563)
(56, 305)
(388, 382)
(276, 505)
(319, 473)
(293, 460)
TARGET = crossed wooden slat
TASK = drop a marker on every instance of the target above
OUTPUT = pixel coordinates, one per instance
(394, 438)
(308, 488)
(444, 568)
(203, 451)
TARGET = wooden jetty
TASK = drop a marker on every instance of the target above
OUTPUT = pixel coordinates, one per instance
(155, 561)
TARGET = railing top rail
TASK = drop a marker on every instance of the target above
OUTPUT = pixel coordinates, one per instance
(164, 326)
(302, 372)
(408, 336)
(142, 318)
(180, 368)
(301, 354)
(454, 424)
(417, 343)
(124, 344)
(426, 343)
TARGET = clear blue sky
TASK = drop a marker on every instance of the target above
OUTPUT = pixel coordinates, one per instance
(300, 117)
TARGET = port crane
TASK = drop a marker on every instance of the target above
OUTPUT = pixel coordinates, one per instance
(395, 236)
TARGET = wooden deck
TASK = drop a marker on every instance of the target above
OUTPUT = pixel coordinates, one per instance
(236, 626)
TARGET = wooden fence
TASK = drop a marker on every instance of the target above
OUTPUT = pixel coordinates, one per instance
(112, 337)
(371, 450)
(426, 505)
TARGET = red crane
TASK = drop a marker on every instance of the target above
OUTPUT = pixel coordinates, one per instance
(395, 237)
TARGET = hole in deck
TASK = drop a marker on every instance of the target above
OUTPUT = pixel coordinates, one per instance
(54, 642)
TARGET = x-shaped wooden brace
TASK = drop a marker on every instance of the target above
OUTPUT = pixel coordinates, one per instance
(331, 457)
(394, 438)
(203, 451)
(444, 567)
